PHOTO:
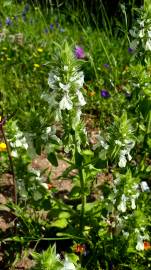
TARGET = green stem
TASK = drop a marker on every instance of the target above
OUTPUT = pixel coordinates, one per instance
(11, 163)
(83, 198)
(82, 180)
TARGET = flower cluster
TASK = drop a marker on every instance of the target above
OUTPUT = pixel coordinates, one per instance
(66, 84)
(17, 140)
(141, 34)
(126, 147)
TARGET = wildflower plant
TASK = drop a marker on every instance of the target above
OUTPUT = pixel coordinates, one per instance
(140, 35)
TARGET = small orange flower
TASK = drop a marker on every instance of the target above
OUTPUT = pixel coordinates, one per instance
(79, 248)
(50, 186)
(147, 245)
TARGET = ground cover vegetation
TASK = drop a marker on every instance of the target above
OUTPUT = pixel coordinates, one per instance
(75, 137)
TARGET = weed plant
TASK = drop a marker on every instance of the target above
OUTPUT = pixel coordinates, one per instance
(56, 69)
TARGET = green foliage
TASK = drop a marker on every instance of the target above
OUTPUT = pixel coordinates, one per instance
(102, 220)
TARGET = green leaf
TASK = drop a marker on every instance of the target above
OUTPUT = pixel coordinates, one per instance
(60, 223)
(75, 192)
(78, 159)
(67, 171)
(53, 159)
(87, 152)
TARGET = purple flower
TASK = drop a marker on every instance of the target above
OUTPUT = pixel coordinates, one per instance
(130, 50)
(51, 26)
(79, 52)
(8, 21)
(105, 93)
(106, 65)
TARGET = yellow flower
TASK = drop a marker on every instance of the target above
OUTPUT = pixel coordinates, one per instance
(40, 50)
(0, 118)
(36, 65)
(2, 147)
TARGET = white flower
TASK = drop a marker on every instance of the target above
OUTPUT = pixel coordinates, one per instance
(56, 78)
(125, 234)
(122, 206)
(133, 32)
(14, 154)
(18, 143)
(65, 68)
(64, 87)
(66, 103)
(144, 186)
(148, 45)
(133, 205)
(48, 130)
(52, 81)
(68, 265)
(149, 33)
(25, 145)
(45, 185)
(81, 98)
(118, 142)
(141, 33)
(140, 243)
(122, 161)
(78, 79)
(134, 44)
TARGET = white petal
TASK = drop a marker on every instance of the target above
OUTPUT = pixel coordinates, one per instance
(14, 153)
(149, 33)
(66, 103)
(144, 186)
(140, 244)
(51, 80)
(141, 33)
(65, 68)
(148, 45)
(45, 185)
(122, 161)
(133, 205)
(64, 87)
(81, 98)
(18, 143)
(80, 80)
